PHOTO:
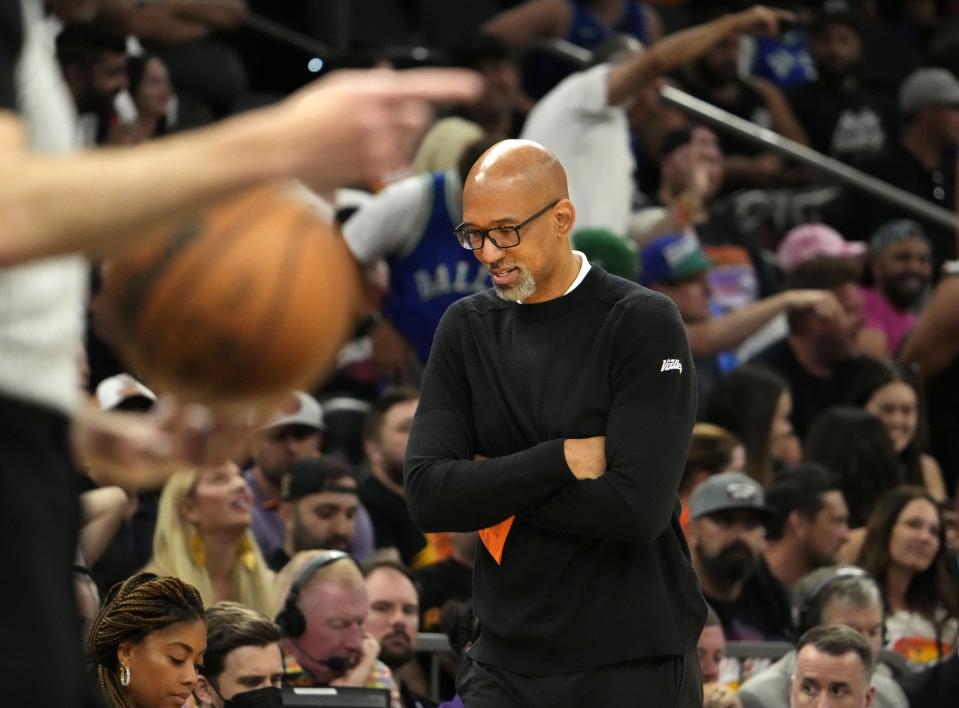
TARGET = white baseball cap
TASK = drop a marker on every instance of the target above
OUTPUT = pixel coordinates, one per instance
(113, 391)
(299, 408)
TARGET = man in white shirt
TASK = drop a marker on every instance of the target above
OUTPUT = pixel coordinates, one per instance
(584, 120)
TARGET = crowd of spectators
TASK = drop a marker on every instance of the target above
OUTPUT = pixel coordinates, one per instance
(820, 489)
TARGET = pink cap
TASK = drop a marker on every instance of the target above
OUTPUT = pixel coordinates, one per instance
(808, 241)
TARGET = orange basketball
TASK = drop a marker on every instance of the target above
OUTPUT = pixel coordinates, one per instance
(238, 303)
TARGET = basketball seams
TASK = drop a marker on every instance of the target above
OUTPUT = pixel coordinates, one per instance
(234, 366)
(246, 299)
(130, 303)
(203, 257)
(274, 314)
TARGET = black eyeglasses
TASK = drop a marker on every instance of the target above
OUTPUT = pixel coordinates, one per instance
(500, 236)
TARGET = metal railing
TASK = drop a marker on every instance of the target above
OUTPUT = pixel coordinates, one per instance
(578, 58)
(840, 171)
(437, 644)
(758, 650)
(434, 645)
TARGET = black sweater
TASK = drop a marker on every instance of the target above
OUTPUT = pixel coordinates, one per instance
(593, 572)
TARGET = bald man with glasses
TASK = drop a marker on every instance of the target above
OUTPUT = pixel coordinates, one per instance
(555, 416)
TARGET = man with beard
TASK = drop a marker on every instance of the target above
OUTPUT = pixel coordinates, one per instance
(394, 621)
(555, 417)
(919, 162)
(319, 508)
(294, 432)
(726, 536)
(900, 263)
(820, 357)
(810, 523)
(677, 266)
(841, 118)
(386, 431)
(94, 64)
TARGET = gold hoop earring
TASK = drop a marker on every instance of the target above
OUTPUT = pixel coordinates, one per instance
(197, 550)
(246, 553)
(125, 675)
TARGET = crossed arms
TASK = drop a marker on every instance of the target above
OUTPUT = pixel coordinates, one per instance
(621, 485)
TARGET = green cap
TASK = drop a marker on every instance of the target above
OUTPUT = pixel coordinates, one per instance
(609, 251)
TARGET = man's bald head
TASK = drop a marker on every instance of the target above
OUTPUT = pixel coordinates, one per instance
(524, 167)
(516, 195)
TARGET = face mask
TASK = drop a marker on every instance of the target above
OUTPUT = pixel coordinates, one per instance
(266, 697)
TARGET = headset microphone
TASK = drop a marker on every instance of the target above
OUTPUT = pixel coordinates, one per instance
(291, 619)
(336, 663)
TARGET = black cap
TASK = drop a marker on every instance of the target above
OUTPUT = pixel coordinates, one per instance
(313, 475)
(483, 47)
(675, 139)
(92, 35)
(835, 11)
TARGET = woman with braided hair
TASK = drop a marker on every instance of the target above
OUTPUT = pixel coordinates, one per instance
(146, 642)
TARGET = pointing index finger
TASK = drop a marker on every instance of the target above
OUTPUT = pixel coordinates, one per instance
(434, 85)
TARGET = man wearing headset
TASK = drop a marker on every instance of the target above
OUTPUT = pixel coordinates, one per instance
(322, 621)
(832, 595)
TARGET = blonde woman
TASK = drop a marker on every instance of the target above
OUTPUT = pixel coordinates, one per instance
(203, 537)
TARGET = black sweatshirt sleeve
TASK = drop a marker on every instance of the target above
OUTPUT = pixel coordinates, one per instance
(647, 435)
(445, 489)
(10, 39)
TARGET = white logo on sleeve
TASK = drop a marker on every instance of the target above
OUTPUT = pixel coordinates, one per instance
(672, 365)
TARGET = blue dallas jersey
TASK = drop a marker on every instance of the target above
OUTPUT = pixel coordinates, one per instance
(784, 60)
(588, 31)
(434, 273)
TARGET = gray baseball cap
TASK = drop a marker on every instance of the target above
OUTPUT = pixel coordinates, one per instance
(928, 87)
(728, 490)
(299, 408)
